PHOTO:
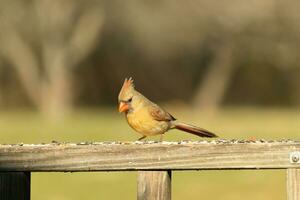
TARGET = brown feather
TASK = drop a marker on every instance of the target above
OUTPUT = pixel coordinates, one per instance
(127, 88)
(160, 114)
(194, 130)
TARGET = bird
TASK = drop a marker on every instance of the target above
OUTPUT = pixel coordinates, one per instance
(149, 119)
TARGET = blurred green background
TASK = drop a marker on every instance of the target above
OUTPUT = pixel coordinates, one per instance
(231, 67)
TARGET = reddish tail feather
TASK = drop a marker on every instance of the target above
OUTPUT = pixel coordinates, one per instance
(194, 130)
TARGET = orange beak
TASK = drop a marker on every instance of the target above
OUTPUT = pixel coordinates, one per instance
(123, 107)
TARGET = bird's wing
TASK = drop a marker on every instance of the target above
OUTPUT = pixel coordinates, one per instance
(160, 114)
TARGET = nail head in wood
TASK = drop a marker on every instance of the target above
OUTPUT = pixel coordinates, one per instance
(295, 157)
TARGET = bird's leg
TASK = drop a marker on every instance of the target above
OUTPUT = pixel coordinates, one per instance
(142, 138)
(161, 137)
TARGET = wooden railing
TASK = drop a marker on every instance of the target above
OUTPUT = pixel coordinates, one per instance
(154, 162)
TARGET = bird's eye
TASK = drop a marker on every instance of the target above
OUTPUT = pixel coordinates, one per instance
(129, 100)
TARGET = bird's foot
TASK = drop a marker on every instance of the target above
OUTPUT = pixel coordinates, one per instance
(161, 137)
(142, 138)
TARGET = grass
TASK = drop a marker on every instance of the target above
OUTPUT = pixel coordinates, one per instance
(106, 125)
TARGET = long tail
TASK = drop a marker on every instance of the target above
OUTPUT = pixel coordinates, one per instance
(194, 130)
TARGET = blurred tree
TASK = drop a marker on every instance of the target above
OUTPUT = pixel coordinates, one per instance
(231, 52)
(44, 40)
(210, 93)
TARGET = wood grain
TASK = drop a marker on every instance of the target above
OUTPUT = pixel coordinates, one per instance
(15, 186)
(293, 184)
(154, 185)
(119, 156)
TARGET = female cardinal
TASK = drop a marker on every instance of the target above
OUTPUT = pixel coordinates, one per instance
(149, 119)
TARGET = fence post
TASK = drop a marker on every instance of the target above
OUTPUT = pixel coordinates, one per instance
(293, 184)
(15, 185)
(154, 185)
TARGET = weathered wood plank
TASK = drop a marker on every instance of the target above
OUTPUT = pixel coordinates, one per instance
(15, 185)
(154, 185)
(148, 156)
(293, 184)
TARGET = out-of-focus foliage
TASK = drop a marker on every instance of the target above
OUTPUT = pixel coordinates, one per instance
(43, 41)
(57, 53)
